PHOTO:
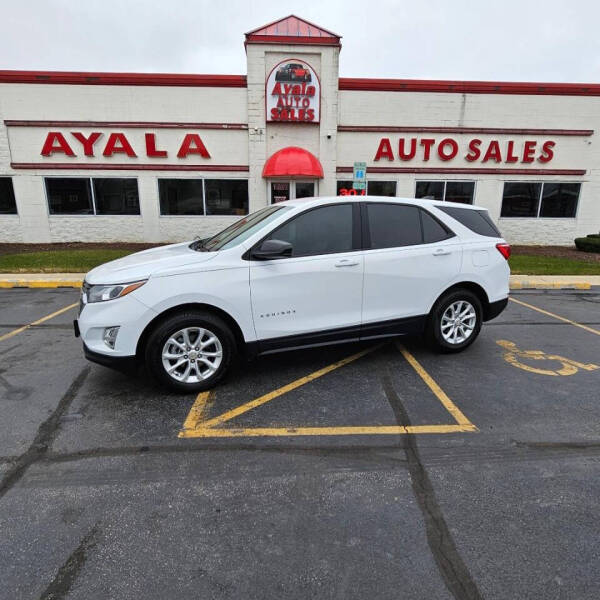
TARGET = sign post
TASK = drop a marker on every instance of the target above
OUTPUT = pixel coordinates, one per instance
(359, 178)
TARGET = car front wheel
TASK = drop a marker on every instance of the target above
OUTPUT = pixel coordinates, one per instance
(190, 351)
(455, 321)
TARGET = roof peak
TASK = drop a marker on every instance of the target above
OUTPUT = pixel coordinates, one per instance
(292, 29)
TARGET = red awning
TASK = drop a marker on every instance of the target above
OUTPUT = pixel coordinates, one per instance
(293, 162)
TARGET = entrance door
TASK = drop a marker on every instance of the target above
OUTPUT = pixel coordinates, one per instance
(289, 190)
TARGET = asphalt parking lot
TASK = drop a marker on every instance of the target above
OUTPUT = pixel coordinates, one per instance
(375, 470)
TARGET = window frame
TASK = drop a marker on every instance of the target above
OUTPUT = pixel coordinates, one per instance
(445, 182)
(14, 198)
(356, 233)
(92, 197)
(541, 195)
(203, 216)
(366, 234)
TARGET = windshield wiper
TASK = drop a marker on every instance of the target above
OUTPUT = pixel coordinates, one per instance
(198, 245)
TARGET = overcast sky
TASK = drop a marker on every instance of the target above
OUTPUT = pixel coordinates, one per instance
(524, 40)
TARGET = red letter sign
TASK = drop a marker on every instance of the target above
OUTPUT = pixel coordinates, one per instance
(453, 149)
(87, 143)
(55, 142)
(124, 147)
(192, 144)
(385, 149)
(547, 152)
(151, 147)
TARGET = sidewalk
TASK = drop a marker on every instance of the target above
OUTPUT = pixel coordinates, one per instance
(517, 282)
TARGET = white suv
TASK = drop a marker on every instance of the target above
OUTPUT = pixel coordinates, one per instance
(300, 273)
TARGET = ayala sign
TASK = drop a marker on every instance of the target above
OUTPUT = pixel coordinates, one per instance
(293, 93)
(92, 144)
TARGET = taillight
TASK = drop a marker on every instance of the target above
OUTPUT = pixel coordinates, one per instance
(504, 249)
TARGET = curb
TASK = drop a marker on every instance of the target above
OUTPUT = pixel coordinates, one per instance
(549, 285)
(35, 281)
(40, 283)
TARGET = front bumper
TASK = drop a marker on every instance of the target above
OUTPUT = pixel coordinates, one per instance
(120, 363)
(129, 314)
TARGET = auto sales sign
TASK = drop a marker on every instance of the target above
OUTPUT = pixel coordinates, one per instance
(293, 93)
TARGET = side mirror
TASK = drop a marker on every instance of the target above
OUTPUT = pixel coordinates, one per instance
(272, 249)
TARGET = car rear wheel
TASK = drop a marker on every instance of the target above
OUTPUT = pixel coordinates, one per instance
(455, 321)
(190, 351)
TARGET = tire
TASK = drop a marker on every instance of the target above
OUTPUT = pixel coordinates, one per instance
(441, 331)
(168, 342)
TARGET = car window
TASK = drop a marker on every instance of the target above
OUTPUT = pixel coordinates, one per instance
(240, 230)
(323, 230)
(393, 225)
(477, 221)
(433, 230)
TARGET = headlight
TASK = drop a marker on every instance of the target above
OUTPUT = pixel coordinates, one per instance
(101, 293)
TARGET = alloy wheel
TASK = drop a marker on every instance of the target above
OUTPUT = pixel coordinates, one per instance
(192, 354)
(458, 322)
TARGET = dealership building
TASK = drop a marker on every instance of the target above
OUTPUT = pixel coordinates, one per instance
(166, 157)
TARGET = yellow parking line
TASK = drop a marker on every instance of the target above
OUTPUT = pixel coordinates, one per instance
(555, 316)
(434, 387)
(38, 322)
(197, 412)
(298, 431)
(240, 410)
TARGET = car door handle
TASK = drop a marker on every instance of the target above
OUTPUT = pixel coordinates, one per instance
(346, 262)
(441, 252)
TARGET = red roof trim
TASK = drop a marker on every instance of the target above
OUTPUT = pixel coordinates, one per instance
(126, 124)
(126, 167)
(150, 79)
(285, 39)
(288, 18)
(467, 171)
(469, 87)
(491, 130)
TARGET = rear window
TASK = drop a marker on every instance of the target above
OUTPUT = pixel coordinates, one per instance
(476, 220)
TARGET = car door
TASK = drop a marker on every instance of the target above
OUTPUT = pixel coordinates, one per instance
(315, 295)
(410, 257)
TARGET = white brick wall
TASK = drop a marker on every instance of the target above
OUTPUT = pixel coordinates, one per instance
(255, 145)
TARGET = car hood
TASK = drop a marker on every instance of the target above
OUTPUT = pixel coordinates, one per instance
(142, 265)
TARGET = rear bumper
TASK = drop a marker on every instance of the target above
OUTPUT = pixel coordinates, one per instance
(495, 308)
(125, 364)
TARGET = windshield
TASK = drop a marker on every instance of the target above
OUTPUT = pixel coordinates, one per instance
(241, 230)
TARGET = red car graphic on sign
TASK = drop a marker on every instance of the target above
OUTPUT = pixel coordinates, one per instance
(293, 72)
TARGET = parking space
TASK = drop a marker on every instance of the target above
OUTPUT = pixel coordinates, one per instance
(383, 469)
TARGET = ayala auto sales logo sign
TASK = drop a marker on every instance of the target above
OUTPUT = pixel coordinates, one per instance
(293, 93)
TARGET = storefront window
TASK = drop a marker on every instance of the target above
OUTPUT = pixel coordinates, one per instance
(560, 200)
(344, 188)
(69, 196)
(305, 189)
(535, 199)
(8, 205)
(520, 199)
(374, 188)
(181, 196)
(381, 188)
(116, 196)
(226, 196)
(460, 191)
(430, 190)
(450, 191)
